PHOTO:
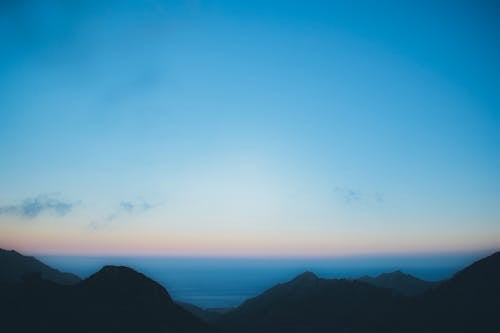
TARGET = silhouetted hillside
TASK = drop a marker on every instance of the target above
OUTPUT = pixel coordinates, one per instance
(119, 299)
(468, 302)
(13, 266)
(310, 304)
(207, 315)
(115, 299)
(405, 284)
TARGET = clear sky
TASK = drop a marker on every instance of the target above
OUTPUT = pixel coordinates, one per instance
(313, 128)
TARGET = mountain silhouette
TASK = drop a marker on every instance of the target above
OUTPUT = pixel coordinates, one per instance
(311, 304)
(115, 299)
(405, 284)
(468, 302)
(119, 299)
(13, 266)
(209, 315)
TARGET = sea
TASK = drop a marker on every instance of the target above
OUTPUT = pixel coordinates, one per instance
(227, 282)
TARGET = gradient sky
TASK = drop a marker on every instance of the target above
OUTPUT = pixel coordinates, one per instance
(249, 128)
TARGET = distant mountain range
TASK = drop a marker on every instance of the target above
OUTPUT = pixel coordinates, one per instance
(38, 298)
(311, 304)
(405, 284)
(115, 299)
(468, 302)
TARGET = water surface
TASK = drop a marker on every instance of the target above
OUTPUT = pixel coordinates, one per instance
(226, 282)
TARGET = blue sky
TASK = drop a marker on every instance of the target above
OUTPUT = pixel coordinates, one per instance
(263, 127)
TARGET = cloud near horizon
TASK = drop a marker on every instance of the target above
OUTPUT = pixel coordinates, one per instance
(31, 208)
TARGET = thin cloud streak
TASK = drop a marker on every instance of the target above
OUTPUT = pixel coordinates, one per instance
(126, 207)
(350, 196)
(31, 208)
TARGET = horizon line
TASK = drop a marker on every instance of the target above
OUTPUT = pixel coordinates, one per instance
(272, 256)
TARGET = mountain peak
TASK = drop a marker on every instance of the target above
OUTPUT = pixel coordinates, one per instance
(112, 269)
(125, 280)
(9, 251)
(306, 276)
(118, 274)
(115, 299)
(400, 282)
(110, 272)
(395, 274)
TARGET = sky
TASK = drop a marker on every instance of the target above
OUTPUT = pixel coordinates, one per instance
(262, 128)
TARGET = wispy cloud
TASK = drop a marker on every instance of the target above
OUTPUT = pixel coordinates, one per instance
(130, 207)
(348, 195)
(136, 206)
(30, 208)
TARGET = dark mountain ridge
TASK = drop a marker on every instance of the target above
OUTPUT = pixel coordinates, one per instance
(405, 284)
(119, 299)
(311, 304)
(13, 266)
(115, 299)
(468, 302)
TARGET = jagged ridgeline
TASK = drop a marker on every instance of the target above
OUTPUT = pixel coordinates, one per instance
(37, 298)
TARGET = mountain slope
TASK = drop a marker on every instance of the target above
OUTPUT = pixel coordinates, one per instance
(468, 302)
(310, 304)
(207, 315)
(119, 299)
(400, 282)
(115, 299)
(13, 266)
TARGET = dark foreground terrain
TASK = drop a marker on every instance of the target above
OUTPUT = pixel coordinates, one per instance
(37, 298)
